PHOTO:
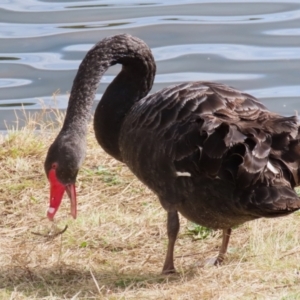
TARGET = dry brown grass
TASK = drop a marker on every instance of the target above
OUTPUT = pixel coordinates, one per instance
(116, 247)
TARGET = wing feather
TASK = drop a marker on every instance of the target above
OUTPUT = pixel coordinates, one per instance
(210, 129)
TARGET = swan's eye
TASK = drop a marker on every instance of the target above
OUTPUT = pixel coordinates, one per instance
(54, 166)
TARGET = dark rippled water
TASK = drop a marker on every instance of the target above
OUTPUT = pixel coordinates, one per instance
(251, 45)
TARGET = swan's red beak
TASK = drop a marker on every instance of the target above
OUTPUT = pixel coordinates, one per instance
(57, 191)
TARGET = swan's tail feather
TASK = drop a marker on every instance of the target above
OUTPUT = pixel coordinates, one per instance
(269, 201)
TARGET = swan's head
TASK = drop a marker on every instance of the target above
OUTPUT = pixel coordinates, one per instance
(61, 166)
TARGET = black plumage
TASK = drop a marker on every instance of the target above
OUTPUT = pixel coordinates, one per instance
(208, 151)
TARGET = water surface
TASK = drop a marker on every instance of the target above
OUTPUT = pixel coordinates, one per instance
(253, 46)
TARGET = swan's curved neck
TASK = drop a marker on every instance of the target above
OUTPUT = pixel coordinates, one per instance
(132, 83)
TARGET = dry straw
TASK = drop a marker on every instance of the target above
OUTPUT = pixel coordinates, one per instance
(116, 247)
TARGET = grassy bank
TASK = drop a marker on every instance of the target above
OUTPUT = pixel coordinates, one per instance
(116, 247)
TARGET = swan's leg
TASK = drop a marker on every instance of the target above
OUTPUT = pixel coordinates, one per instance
(172, 228)
(223, 249)
(215, 261)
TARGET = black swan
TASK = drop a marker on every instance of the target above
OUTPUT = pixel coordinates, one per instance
(208, 151)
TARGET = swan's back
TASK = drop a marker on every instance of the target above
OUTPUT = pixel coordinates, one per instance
(188, 140)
